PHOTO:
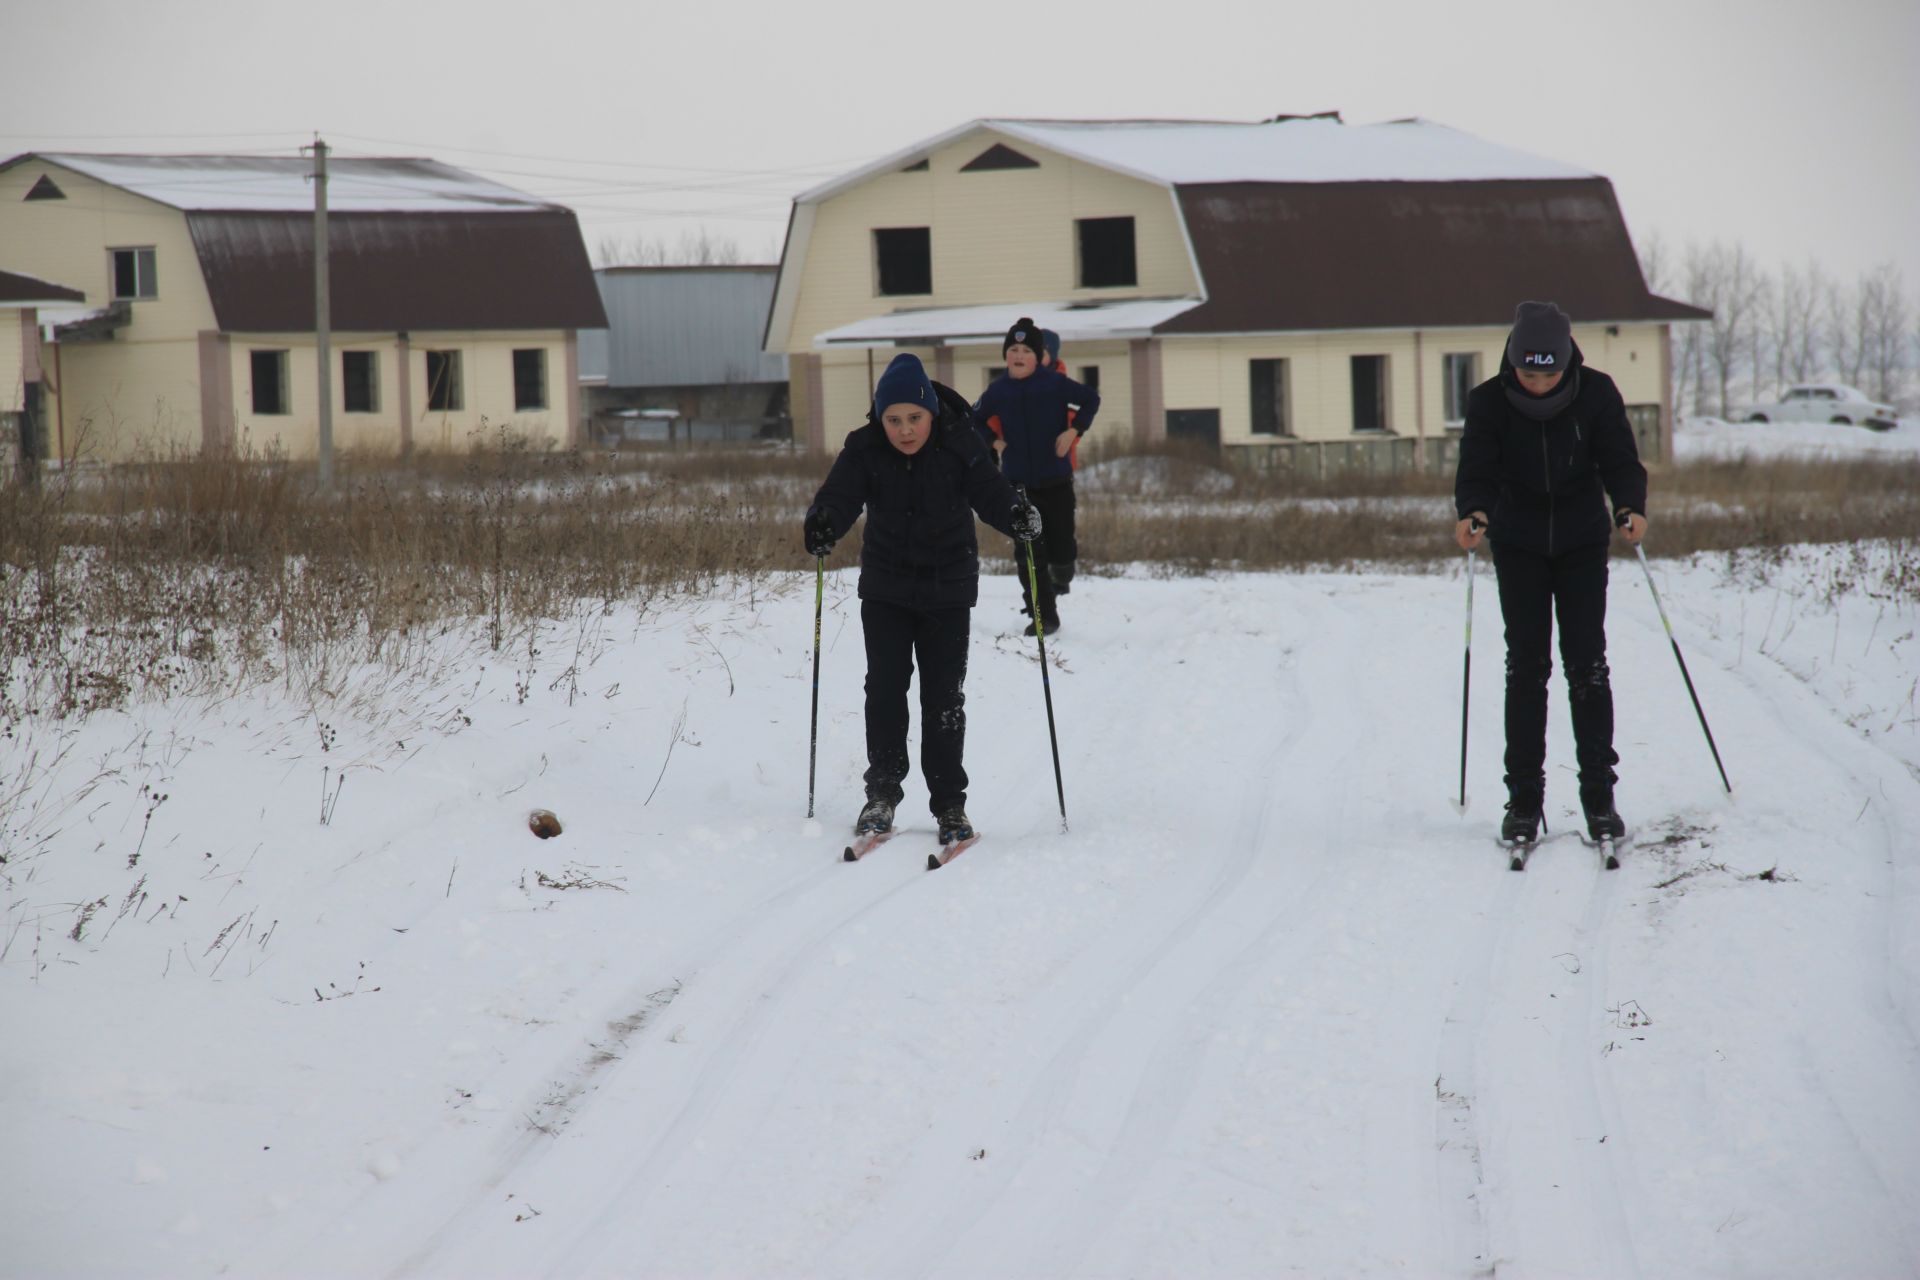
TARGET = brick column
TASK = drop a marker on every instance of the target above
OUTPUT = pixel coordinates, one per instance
(1149, 394)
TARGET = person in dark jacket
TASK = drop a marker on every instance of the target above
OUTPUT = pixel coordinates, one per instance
(920, 473)
(1035, 417)
(1547, 446)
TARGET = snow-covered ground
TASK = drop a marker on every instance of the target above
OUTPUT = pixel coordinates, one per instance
(1270, 1008)
(1698, 439)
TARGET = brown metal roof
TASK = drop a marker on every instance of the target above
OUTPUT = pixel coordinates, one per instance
(1364, 255)
(391, 272)
(18, 288)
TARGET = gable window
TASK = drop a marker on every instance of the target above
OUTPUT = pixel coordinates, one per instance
(1369, 393)
(1267, 387)
(529, 379)
(903, 260)
(1461, 374)
(360, 381)
(45, 189)
(443, 381)
(1106, 253)
(999, 156)
(269, 381)
(133, 274)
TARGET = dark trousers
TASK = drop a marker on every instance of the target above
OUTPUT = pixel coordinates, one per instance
(895, 635)
(1055, 552)
(1533, 588)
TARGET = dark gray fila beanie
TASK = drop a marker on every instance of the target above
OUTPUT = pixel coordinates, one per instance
(1542, 338)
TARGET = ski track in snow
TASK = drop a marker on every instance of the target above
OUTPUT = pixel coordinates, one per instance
(1266, 1009)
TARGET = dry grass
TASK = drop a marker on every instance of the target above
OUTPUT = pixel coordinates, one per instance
(215, 573)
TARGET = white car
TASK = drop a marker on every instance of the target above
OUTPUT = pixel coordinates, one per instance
(1825, 402)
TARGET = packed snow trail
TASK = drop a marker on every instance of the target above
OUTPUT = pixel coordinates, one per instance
(1270, 1007)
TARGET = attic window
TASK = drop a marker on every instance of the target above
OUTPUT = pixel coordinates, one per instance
(133, 274)
(999, 156)
(1106, 253)
(918, 166)
(45, 190)
(903, 260)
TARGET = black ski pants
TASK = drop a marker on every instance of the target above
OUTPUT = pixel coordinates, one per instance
(1053, 554)
(896, 635)
(1533, 589)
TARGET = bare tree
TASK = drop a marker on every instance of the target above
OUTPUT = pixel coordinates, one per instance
(700, 248)
(1734, 282)
(1884, 316)
(1846, 323)
(1794, 321)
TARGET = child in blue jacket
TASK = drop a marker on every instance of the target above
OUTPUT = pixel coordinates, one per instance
(1035, 417)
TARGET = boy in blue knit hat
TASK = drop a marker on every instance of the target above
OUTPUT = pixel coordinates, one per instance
(1035, 417)
(920, 473)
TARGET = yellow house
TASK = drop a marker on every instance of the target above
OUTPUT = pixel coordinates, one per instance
(454, 304)
(1298, 291)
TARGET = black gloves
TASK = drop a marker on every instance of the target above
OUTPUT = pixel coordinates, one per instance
(819, 533)
(1026, 521)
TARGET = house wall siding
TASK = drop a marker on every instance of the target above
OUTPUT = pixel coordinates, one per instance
(1213, 373)
(16, 331)
(486, 394)
(995, 235)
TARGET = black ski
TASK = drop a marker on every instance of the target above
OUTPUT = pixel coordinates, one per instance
(1518, 851)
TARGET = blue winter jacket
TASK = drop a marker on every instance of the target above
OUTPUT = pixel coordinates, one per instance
(1029, 414)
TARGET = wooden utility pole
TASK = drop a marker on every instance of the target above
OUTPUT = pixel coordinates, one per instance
(322, 313)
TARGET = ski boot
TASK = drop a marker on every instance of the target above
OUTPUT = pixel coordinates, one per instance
(1053, 627)
(1520, 829)
(871, 829)
(1605, 827)
(875, 818)
(954, 826)
(956, 837)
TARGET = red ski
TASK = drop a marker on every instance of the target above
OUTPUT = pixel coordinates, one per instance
(948, 852)
(865, 843)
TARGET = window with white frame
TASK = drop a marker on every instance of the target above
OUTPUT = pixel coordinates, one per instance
(1267, 388)
(529, 379)
(443, 381)
(360, 381)
(269, 370)
(133, 274)
(1460, 374)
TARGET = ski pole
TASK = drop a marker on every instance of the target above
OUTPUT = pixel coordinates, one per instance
(1046, 685)
(813, 735)
(1642, 553)
(1466, 673)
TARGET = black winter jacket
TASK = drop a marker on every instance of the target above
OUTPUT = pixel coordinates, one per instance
(1540, 482)
(918, 548)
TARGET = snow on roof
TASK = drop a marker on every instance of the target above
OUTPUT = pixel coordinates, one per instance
(1307, 150)
(1314, 149)
(280, 184)
(960, 326)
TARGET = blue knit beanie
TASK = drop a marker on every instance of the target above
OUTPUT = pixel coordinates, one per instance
(905, 382)
(1052, 341)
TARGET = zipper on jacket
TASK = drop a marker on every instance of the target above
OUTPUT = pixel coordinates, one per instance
(1546, 470)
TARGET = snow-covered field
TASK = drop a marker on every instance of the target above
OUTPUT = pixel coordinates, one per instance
(1698, 439)
(1270, 1008)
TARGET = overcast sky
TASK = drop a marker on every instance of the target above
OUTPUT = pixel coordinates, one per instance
(1791, 127)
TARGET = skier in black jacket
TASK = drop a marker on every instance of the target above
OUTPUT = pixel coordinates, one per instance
(920, 472)
(1542, 440)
